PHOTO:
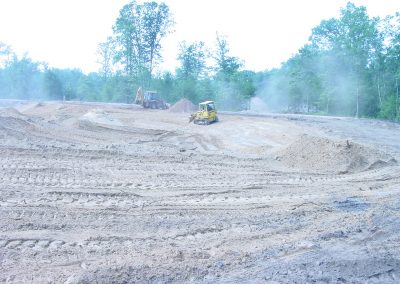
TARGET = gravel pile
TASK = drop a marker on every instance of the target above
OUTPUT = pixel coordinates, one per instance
(319, 154)
(183, 105)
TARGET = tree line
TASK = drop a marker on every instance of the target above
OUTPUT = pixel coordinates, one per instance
(350, 66)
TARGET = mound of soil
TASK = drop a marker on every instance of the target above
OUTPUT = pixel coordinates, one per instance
(12, 118)
(323, 155)
(10, 112)
(183, 105)
(14, 124)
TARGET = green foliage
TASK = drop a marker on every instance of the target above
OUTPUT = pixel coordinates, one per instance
(390, 109)
(106, 52)
(52, 85)
(192, 71)
(233, 88)
(6, 55)
(137, 35)
(167, 86)
(192, 58)
(226, 65)
(20, 79)
(348, 67)
(89, 87)
(62, 84)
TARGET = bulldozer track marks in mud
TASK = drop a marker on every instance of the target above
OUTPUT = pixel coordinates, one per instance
(28, 243)
(81, 201)
(42, 244)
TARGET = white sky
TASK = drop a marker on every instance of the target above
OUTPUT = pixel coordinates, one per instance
(263, 33)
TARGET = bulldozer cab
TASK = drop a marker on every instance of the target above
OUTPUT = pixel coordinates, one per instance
(207, 106)
(206, 114)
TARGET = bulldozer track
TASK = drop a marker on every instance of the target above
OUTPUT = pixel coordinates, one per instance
(35, 244)
(79, 198)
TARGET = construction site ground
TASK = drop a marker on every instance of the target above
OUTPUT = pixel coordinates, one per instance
(113, 193)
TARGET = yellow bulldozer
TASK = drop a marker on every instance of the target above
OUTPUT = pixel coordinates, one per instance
(206, 114)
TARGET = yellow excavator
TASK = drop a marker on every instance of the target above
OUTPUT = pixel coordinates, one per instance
(206, 114)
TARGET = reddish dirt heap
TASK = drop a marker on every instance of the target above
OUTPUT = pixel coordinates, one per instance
(183, 105)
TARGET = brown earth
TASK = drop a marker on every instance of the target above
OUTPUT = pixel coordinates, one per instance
(317, 154)
(183, 105)
(115, 193)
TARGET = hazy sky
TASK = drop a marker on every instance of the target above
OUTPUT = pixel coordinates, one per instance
(264, 33)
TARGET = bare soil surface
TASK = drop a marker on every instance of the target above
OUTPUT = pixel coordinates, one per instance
(112, 193)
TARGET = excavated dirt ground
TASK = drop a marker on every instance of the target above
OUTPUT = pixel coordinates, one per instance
(117, 194)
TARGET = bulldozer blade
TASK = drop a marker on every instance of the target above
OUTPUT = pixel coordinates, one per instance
(191, 118)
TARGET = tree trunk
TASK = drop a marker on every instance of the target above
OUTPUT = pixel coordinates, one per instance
(358, 104)
(397, 99)
(327, 104)
(151, 61)
(379, 94)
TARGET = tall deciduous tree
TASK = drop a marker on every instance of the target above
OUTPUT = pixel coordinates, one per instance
(22, 77)
(52, 85)
(355, 42)
(226, 65)
(106, 52)
(192, 58)
(6, 54)
(138, 32)
(233, 88)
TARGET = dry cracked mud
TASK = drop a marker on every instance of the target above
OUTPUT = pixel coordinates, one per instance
(113, 193)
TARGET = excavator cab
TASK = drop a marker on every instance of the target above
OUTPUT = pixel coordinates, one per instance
(151, 96)
(206, 114)
(150, 99)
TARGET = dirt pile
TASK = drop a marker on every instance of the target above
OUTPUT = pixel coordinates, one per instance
(183, 105)
(10, 112)
(12, 118)
(324, 155)
(14, 125)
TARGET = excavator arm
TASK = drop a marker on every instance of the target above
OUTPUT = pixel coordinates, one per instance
(139, 97)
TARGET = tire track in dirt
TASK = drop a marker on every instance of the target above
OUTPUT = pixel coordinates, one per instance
(84, 197)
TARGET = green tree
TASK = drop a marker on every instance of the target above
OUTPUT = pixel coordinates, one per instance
(392, 67)
(6, 55)
(226, 65)
(138, 32)
(22, 78)
(106, 53)
(304, 80)
(166, 86)
(90, 87)
(192, 69)
(52, 85)
(69, 79)
(355, 43)
(192, 58)
(233, 88)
